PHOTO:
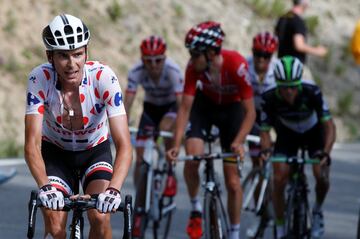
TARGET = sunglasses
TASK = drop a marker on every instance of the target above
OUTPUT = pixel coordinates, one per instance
(291, 87)
(153, 59)
(195, 54)
(261, 54)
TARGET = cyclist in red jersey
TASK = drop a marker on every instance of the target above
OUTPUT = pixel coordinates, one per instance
(217, 92)
(69, 104)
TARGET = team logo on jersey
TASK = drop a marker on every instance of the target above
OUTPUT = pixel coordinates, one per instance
(118, 99)
(32, 99)
(244, 73)
(113, 79)
(33, 79)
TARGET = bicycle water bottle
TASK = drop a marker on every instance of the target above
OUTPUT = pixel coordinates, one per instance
(170, 185)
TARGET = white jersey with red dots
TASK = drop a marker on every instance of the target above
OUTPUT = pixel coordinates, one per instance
(100, 97)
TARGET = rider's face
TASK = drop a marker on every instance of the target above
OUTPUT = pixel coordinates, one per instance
(261, 61)
(69, 65)
(154, 64)
(198, 60)
(289, 93)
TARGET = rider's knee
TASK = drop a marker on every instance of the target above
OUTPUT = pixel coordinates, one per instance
(280, 180)
(98, 220)
(55, 231)
(233, 186)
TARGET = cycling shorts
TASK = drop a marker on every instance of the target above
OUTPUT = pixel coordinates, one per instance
(288, 142)
(226, 117)
(151, 118)
(63, 166)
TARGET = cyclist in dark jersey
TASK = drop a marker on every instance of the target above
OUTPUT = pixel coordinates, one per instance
(300, 117)
(292, 32)
(70, 104)
(217, 92)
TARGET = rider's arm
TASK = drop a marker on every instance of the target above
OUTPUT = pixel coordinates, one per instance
(248, 120)
(182, 118)
(129, 99)
(265, 140)
(330, 135)
(34, 160)
(120, 134)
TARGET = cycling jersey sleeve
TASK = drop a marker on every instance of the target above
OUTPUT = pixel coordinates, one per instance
(111, 93)
(35, 95)
(321, 107)
(132, 83)
(177, 80)
(243, 79)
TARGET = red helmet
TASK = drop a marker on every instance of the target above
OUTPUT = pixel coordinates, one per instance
(205, 35)
(153, 46)
(265, 42)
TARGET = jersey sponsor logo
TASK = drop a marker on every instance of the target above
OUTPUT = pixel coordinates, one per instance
(118, 99)
(244, 73)
(60, 184)
(32, 99)
(76, 133)
(33, 79)
(114, 79)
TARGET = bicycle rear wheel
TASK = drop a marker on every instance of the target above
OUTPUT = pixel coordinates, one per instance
(162, 227)
(258, 220)
(216, 225)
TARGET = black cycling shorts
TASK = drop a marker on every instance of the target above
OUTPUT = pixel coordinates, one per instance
(204, 113)
(151, 118)
(288, 142)
(63, 166)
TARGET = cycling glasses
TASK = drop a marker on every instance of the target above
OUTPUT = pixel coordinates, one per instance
(262, 54)
(153, 59)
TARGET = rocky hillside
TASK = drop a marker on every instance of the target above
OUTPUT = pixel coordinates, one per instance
(117, 27)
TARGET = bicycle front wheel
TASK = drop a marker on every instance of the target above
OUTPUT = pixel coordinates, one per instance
(162, 226)
(258, 219)
(214, 217)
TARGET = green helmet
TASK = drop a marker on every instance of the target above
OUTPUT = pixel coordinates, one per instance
(288, 71)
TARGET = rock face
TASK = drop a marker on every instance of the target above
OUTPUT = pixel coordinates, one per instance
(117, 27)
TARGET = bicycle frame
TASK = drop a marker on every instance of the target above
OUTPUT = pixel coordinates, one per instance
(78, 206)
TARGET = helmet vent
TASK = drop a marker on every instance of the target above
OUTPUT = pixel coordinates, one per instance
(57, 33)
(61, 41)
(68, 30)
(70, 40)
(78, 30)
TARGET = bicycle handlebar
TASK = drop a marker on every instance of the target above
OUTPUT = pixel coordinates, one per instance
(294, 160)
(207, 156)
(82, 204)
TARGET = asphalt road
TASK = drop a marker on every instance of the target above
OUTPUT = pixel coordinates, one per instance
(340, 209)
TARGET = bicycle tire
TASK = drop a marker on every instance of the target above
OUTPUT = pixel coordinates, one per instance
(260, 220)
(215, 220)
(143, 214)
(161, 227)
(289, 214)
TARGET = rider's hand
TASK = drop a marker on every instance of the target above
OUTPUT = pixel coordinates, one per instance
(238, 149)
(51, 198)
(172, 154)
(108, 201)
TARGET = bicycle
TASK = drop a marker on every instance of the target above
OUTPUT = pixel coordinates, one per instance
(158, 205)
(298, 218)
(214, 213)
(78, 206)
(257, 189)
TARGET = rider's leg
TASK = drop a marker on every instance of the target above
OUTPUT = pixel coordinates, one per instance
(281, 175)
(100, 226)
(321, 175)
(138, 162)
(194, 146)
(167, 123)
(233, 186)
(55, 223)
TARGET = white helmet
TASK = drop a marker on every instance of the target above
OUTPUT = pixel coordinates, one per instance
(65, 32)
